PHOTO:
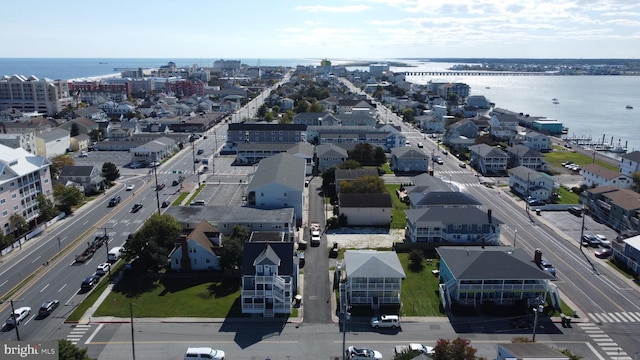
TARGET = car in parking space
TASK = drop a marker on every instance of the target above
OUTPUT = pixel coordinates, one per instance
(603, 241)
(420, 145)
(89, 282)
(385, 321)
(130, 187)
(546, 266)
(444, 151)
(200, 152)
(135, 165)
(18, 315)
(103, 269)
(575, 210)
(114, 201)
(47, 307)
(603, 253)
(136, 208)
(590, 240)
(154, 164)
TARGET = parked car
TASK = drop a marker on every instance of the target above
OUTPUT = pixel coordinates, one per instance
(546, 266)
(200, 152)
(103, 269)
(89, 282)
(114, 201)
(385, 321)
(420, 145)
(130, 187)
(590, 240)
(136, 208)
(603, 253)
(354, 353)
(603, 241)
(575, 210)
(414, 348)
(48, 307)
(18, 315)
(166, 203)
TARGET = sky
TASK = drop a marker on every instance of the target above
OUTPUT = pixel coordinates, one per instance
(333, 29)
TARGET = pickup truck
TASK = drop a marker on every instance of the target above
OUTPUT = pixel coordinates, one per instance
(314, 230)
(414, 348)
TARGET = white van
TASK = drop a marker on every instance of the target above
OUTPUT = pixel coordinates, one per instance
(114, 254)
(194, 353)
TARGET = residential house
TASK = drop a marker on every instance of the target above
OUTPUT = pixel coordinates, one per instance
(88, 178)
(452, 225)
(226, 217)
(617, 208)
(199, 250)
(269, 278)
(80, 142)
(594, 175)
(154, 150)
(461, 134)
(305, 151)
(352, 174)
(628, 253)
(23, 176)
(265, 133)
(15, 141)
(360, 117)
(324, 118)
(630, 163)
(365, 209)
(81, 125)
(329, 155)
(478, 101)
(444, 198)
(488, 160)
(347, 106)
(503, 126)
(252, 153)
(530, 183)
(537, 141)
(373, 278)
(407, 159)
(521, 155)
(278, 183)
(431, 124)
(501, 275)
(53, 143)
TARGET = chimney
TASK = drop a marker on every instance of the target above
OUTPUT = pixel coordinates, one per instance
(186, 260)
(537, 257)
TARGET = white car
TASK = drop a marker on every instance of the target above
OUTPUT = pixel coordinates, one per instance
(103, 269)
(604, 242)
(20, 314)
(203, 353)
(130, 187)
(354, 353)
(385, 321)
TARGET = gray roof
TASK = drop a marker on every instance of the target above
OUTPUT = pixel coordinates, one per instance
(76, 170)
(373, 264)
(326, 150)
(425, 182)
(441, 198)
(442, 216)
(301, 148)
(485, 150)
(216, 214)
(267, 256)
(409, 152)
(263, 146)
(490, 263)
(632, 156)
(54, 134)
(533, 351)
(523, 151)
(266, 127)
(284, 169)
(524, 172)
(365, 200)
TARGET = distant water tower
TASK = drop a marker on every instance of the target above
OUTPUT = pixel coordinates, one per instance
(326, 67)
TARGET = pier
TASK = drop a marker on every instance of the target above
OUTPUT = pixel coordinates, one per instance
(475, 73)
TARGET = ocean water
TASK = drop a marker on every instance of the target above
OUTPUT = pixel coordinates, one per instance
(590, 106)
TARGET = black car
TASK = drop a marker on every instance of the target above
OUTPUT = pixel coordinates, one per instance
(136, 208)
(200, 152)
(159, 187)
(48, 307)
(114, 201)
(89, 282)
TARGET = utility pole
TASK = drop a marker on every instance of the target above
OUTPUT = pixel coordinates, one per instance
(15, 321)
(106, 247)
(155, 174)
(582, 228)
(133, 344)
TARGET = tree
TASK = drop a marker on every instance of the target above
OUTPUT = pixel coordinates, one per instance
(96, 134)
(152, 243)
(233, 246)
(46, 208)
(636, 181)
(58, 162)
(362, 153)
(458, 349)
(364, 185)
(287, 117)
(110, 171)
(379, 157)
(268, 117)
(302, 106)
(18, 224)
(262, 110)
(6, 240)
(349, 165)
(67, 197)
(68, 351)
(408, 115)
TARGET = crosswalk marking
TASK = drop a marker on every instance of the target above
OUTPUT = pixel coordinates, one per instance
(615, 317)
(603, 340)
(77, 332)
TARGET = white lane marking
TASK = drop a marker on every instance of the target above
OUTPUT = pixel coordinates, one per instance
(44, 288)
(94, 333)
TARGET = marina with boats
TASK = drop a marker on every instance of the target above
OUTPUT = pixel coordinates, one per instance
(588, 142)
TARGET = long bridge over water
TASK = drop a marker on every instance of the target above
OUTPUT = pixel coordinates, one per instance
(475, 73)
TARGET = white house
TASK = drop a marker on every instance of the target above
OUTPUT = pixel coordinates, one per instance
(440, 225)
(373, 277)
(366, 209)
(329, 155)
(53, 143)
(537, 141)
(278, 183)
(487, 159)
(630, 163)
(594, 175)
(408, 159)
(202, 246)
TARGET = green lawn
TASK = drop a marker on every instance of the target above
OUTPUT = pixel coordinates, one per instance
(399, 220)
(556, 158)
(175, 295)
(567, 197)
(420, 288)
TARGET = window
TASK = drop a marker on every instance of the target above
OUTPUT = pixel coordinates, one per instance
(207, 260)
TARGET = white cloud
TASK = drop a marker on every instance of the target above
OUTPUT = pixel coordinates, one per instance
(334, 9)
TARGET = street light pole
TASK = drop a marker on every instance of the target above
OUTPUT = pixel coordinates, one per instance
(133, 344)
(155, 174)
(15, 321)
(536, 311)
(515, 237)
